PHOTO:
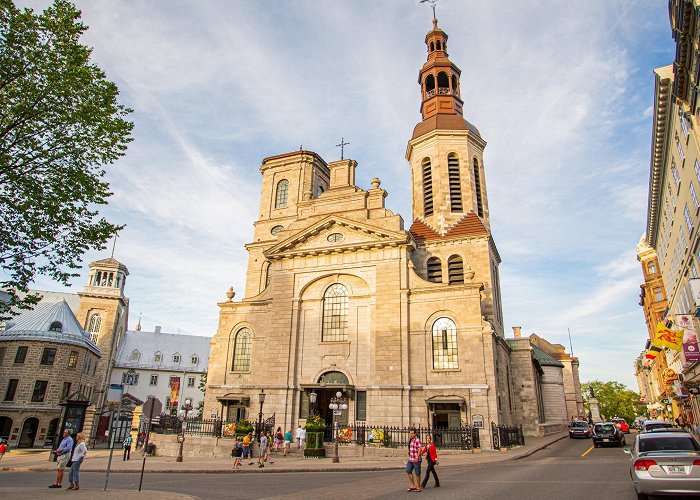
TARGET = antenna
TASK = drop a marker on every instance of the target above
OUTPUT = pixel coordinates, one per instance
(114, 244)
(570, 344)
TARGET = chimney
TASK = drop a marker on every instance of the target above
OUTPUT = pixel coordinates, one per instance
(158, 329)
(516, 332)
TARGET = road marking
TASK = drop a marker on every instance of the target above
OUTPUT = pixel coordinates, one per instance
(587, 452)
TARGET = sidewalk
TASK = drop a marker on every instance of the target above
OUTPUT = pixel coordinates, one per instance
(96, 461)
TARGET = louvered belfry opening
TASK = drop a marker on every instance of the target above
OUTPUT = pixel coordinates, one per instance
(477, 185)
(427, 188)
(434, 270)
(455, 183)
(455, 270)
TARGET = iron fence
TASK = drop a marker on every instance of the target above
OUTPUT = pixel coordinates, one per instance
(196, 426)
(505, 436)
(464, 437)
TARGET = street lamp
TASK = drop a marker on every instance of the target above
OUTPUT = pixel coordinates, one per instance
(183, 425)
(313, 397)
(261, 398)
(337, 404)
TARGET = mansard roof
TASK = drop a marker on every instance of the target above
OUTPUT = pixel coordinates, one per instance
(166, 344)
(35, 324)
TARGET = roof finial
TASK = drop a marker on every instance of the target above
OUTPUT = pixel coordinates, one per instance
(342, 147)
(432, 4)
(138, 325)
(116, 235)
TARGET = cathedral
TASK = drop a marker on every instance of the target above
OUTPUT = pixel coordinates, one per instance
(341, 297)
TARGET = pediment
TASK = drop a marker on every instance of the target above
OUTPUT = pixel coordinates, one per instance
(321, 238)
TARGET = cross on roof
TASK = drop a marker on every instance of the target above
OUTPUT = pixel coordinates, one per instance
(342, 147)
(432, 4)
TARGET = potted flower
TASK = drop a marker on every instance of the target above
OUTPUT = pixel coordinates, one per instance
(315, 427)
(243, 427)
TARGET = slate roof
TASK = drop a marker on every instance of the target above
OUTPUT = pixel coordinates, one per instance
(35, 325)
(167, 344)
(468, 226)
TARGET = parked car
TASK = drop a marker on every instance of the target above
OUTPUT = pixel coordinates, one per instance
(607, 433)
(651, 425)
(665, 463)
(621, 424)
(580, 428)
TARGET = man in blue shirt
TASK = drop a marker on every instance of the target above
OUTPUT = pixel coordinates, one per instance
(63, 453)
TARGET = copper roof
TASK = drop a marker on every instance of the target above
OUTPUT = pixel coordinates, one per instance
(468, 226)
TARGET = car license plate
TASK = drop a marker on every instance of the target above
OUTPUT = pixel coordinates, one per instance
(606, 440)
(676, 469)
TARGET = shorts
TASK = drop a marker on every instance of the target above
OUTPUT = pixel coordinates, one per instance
(287, 443)
(62, 461)
(413, 467)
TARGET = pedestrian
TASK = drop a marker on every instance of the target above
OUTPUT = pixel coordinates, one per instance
(127, 447)
(430, 453)
(262, 449)
(279, 438)
(3, 448)
(247, 441)
(62, 456)
(77, 458)
(299, 431)
(287, 441)
(302, 438)
(414, 461)
(237, 452)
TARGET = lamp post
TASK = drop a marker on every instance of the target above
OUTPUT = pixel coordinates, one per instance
(183, 425)
(337, 404)
(261, 398)
(313, 397)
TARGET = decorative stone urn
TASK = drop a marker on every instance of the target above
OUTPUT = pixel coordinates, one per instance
(314, 445)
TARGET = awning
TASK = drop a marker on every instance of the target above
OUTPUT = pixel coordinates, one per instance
(243, 398)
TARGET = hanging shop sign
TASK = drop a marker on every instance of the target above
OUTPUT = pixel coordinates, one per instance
(668, 376)
(690, 337)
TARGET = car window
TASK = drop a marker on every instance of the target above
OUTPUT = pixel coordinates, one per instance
(674, 443)
(650, 427)
(579, 425)
(604, 428)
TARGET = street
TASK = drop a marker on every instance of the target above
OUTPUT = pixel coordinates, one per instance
(555, 472)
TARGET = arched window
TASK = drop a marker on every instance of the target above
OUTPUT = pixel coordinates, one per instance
(176, 358)
(94, 327)
(427, 187)
(455, 182)
(56, 326)
(434, 270)
(443, 83)
(135, 355)
(158, 357)
(651, 267)
(477, 186)
(241, 351)
(455, 85)
(429, 86)
(281, 194)
(335, 314)
(444, 344)
(194, 359)
(432, 46)
(438, 45)
(455, 270)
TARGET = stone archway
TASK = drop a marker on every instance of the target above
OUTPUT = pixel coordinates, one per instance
(28, 434)
(329, 384)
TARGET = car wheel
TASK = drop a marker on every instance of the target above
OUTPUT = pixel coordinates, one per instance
(642, 496)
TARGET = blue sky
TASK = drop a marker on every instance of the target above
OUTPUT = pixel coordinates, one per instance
(561, 91)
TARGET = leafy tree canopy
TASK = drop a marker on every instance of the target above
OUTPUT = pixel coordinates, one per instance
(60, 125)
(615, 400)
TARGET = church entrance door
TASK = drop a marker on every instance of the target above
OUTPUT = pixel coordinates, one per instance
(324, 399)
(446, 416)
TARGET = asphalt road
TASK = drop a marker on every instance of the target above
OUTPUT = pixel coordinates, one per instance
(561, 471)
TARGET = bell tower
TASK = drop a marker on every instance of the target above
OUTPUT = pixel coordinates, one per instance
(445, 152)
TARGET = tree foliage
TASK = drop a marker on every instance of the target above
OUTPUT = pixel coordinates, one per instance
(60, 125)
(615, 400)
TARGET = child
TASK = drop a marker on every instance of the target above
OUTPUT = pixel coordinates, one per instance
(3, 448)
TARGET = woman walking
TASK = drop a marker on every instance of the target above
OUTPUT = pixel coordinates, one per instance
(77, 458)
(279, 439)
(237, 452)
(430, 451)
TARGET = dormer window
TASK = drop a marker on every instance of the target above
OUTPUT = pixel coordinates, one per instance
(56, 326)
(176, 359)
(158, 357)
(194, 360)
(135, 355)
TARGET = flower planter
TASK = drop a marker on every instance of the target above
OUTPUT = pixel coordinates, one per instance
(314, 445)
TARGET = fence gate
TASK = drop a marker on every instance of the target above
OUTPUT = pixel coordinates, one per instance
(101, 434)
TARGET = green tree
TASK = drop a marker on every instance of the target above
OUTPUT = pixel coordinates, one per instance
(615, 400)
(60, 126)
(202, 387)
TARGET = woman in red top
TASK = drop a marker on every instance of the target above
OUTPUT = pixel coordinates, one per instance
(430, 452)
(3, 447)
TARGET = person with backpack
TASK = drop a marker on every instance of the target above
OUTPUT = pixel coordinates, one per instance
(430, 452)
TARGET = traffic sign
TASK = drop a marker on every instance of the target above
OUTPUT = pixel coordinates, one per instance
(152, 406)
(337, 412)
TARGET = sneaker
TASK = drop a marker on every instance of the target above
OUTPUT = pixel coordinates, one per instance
(55, 486)
(250, 463)
(272, 462)
(260, 466)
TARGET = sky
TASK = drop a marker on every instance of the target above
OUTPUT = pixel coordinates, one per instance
(561, 91)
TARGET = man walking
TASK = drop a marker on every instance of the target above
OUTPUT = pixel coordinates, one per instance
(63, 453)
(414, 461)
(262, 451)
(247, 441)
(298, 434)
(127, 447)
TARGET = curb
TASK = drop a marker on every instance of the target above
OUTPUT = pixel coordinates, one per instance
(540, 447)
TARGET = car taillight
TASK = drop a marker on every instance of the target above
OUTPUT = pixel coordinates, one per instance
(644, 464)
(696, 462)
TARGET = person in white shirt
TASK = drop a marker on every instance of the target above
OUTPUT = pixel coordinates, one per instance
(301, 437)
(79, 454)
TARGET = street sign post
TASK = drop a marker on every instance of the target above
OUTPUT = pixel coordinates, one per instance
(151, 407)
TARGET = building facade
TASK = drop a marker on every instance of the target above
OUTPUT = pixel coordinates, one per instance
(46, 359)
(340, 297)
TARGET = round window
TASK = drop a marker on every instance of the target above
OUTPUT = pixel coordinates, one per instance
(335, 237)
(276, 229)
